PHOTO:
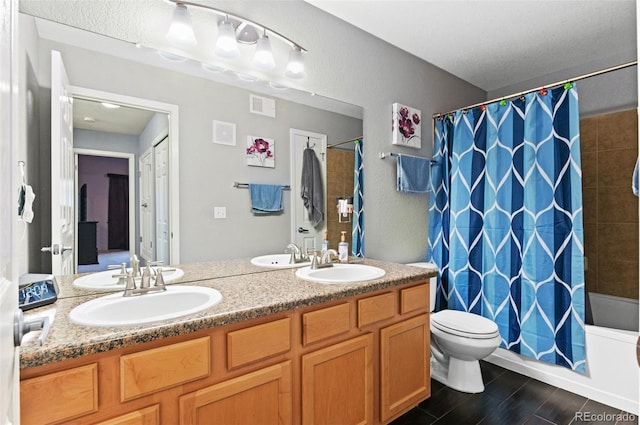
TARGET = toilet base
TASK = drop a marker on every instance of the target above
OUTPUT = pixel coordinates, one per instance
(461, 375)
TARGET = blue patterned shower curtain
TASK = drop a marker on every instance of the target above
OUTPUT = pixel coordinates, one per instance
(505, 221)
(357, 233)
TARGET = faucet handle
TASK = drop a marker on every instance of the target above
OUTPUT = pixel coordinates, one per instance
(159, 282)
(314, 259)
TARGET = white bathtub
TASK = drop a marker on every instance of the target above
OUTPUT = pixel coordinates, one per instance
(612, 376)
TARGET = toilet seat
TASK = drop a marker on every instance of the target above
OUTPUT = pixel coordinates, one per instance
(464, 324)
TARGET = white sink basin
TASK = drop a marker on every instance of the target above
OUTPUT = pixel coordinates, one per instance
(341, 273)
(277, 261)
(116, 310)
(104, 281)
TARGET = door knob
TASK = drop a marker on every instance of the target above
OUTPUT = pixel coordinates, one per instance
(302, 230)
(145, 205)
(55, 249)
(22, 327)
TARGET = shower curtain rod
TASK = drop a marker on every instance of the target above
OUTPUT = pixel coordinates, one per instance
(342, 143)
(581, 77)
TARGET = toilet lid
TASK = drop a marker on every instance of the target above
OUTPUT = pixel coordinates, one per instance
(464, 324)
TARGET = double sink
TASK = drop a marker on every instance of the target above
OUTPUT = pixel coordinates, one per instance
(176, 301)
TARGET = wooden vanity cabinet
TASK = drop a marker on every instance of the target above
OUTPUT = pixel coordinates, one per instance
(357, 360)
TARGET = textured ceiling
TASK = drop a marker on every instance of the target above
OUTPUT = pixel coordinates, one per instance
(123, 120)
(494, 44)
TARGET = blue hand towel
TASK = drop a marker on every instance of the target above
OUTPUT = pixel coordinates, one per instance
(265, 198)
(635, 185)
(413, 174)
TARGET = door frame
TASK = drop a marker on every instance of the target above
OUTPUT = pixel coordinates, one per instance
(174, 142)
(141, 173)
(132, 190)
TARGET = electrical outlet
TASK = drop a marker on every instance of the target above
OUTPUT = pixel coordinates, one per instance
(219, 212)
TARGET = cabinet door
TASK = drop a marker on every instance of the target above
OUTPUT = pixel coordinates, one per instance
(260, 397)
(404, 358)
(337, 383)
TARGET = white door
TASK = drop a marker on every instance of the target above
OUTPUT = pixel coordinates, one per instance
(62, 171)
(147, 236)
(303, 233)
(162, 200)
(9, 367)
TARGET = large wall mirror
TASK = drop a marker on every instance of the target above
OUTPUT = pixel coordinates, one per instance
(206, 169)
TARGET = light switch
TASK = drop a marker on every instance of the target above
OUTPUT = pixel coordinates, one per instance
(219, 212)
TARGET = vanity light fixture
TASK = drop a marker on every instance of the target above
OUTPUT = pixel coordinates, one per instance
(263, 57)
(226, 43)
(231, 30)
(181, 31)
(295, 66)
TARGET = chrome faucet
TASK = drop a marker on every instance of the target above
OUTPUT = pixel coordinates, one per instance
(297, 256)
(326, 260)
(122, 276)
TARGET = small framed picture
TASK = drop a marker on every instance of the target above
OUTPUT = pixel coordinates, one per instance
(224, 133)
(261, 152)
(406, 126)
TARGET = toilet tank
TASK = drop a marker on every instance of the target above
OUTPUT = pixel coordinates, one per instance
(432, 282)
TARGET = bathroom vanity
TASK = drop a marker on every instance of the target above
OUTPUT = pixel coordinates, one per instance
(276, 350)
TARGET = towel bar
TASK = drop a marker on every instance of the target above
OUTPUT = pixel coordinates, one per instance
(246, 186)
(383, 155)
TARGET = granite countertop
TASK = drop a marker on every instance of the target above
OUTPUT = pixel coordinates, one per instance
(248, 292)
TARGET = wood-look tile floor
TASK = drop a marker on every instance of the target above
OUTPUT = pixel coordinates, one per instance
(511, 399)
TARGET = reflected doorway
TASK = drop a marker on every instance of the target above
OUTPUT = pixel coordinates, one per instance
(103, 233)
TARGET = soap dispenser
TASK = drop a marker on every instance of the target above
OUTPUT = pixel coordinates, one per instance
(325, 242)
(343, 248)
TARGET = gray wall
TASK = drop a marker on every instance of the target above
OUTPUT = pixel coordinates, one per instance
(208, 170)
(343, 63)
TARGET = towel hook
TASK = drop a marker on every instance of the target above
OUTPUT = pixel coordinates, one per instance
(21, 164)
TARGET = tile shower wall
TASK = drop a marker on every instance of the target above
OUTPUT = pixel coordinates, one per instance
(339, 185)
(609, 146)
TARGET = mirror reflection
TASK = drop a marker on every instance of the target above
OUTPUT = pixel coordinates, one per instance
(205, 217)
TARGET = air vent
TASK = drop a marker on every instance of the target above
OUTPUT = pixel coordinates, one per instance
(262, 105)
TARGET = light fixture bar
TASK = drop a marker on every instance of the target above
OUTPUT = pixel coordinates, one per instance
(240, 18)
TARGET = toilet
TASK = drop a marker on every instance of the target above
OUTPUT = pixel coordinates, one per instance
(458, 341)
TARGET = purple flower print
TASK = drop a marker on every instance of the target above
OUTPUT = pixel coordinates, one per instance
(261, 150)
(406, 127)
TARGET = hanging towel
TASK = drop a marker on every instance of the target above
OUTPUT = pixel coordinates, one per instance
(311, 189)
(635, 185)
(413, 174)
(265, 198)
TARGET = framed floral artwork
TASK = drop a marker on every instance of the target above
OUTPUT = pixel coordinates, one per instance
(261, 152)
(406, 126)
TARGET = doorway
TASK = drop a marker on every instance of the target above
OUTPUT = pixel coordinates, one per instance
(163, 125)
(105, 207)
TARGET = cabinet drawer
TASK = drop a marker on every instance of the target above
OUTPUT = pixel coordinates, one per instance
(374, 309)
(414, 298)
(325, 323)
(159, 368)
(147, 416)
(75, 394)
(258, 342)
